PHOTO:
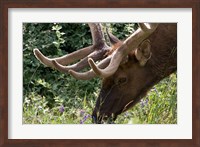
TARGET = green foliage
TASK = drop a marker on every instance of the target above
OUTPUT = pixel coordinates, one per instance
(122, 31)
(59, 35)
(50, 97)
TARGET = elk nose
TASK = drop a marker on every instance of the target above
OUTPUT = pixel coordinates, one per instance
(94, 118)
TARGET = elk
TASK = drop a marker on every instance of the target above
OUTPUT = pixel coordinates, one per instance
(129, 68)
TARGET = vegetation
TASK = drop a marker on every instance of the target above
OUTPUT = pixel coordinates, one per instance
(50, 97)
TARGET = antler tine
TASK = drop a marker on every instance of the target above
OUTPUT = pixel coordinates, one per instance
(130, 43)
(97, 34)
(82, 76)
(113, 40)
(145, 28)
(90, 74)
(97, 55)
(64, 60)
(96, 51)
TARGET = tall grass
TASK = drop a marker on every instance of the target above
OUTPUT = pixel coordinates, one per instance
(158, 107)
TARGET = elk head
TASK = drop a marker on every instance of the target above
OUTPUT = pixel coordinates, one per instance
(128, 69)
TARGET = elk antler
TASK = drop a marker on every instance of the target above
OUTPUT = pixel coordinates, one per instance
(95, 51)
(118, 55)
(129, 44)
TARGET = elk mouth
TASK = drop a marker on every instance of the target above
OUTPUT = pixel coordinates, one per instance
(104, 111)
(107, 107)
(109, 117)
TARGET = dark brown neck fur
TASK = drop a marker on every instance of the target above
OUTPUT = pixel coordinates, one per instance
(164, 50)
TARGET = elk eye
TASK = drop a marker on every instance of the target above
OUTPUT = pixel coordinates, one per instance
(121, 80)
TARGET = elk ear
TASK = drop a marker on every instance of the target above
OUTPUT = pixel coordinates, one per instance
(113, 39)
(143, 52)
